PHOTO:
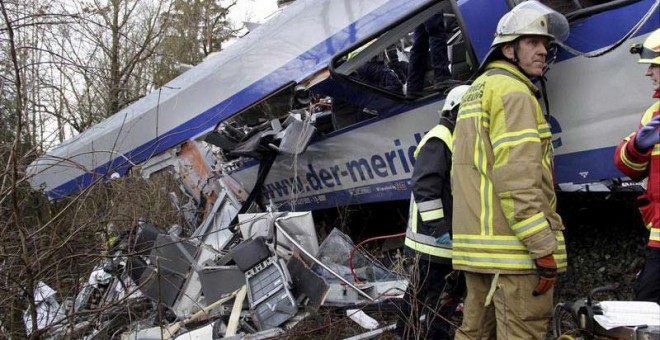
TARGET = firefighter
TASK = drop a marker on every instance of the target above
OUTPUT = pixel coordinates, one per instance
(428, 237)
(638, 156)
(507, 235)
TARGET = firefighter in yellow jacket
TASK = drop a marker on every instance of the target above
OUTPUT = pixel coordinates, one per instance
(507, 235)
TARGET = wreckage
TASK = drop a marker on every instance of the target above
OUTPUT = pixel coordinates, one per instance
(282, 121)
(250, 278)
(244, 269)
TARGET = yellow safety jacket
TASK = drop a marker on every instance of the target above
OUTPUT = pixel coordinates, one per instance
(502, 180)
(428, 217)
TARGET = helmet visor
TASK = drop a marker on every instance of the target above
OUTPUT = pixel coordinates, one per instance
(648, 55)
(534, 18)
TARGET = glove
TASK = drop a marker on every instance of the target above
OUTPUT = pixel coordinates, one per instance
(444, 239)
(648, 135)
(546, 269)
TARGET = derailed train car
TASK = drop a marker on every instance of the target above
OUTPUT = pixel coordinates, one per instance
(364, 133)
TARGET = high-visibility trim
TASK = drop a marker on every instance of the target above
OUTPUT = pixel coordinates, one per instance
(428, 210)
(561, 260)
(439, 131)
(429, 205)
(530, 225)
(492, 261)
(632, 165)
(482, 237)
(655, 234)
(485, 186)
(513, 135)
(426, 244)
(517, 138)
(430, 250)
(466, 113)
(497, 244)
(412, 214)
(561, 246)
(544, 131)
(431, 210)
(504, 260)
(492, 242)
(656, 150)
(432, 215)
(417, 237)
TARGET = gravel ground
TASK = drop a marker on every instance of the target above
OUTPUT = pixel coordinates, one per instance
(606, 240)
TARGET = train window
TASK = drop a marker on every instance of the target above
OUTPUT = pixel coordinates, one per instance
(575, 9)
(389, 63)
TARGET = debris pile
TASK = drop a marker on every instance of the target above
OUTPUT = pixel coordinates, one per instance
(253, 281)
(237, 268)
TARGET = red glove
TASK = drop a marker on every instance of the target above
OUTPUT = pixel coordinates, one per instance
(546, 269)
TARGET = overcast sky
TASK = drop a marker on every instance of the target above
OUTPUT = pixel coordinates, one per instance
(252, 10)
(255, 11)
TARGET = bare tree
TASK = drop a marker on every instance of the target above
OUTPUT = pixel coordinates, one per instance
(197, 28)
(101, 60)
(57, 61)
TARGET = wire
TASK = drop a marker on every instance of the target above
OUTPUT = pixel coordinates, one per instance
(627, 36)
(350, 256)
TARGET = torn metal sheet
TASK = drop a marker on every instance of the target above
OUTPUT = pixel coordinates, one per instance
(300, 225)
(269, 293)
(296, 135)
(362, 319)
(48, 309)
(219, 280)
(170, 264)
(339, 295)
(190, 299)
(318, 262)
(202, 333)
(372, 334)
(215, 236)
(337, 251)
(306, 283)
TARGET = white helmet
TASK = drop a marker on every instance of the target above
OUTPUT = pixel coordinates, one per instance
(531, 18)
(454, 97)
(528, 18)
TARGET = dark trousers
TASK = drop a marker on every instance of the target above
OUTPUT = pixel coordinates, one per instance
(431, 34)
(647, 286)
(423, 297)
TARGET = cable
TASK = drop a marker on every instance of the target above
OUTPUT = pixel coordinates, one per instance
(630, 33)
(350, 256)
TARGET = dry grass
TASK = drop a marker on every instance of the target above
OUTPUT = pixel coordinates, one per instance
(60, 242)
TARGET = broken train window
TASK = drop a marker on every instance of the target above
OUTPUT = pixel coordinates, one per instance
(421, 56)
(576, 9)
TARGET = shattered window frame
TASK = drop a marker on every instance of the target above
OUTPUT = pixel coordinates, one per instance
(345, 64)
(578, 9)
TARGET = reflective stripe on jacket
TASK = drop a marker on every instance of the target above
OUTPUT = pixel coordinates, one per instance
(504, 200)
(431, 203)
(638, 165)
